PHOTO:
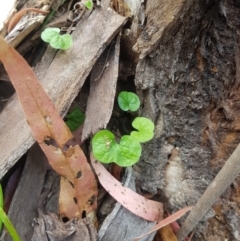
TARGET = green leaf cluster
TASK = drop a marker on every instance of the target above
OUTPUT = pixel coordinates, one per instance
(107, 150)
(57, 41)
(128, 151)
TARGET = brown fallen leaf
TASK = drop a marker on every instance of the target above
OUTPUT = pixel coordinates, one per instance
(51, 133)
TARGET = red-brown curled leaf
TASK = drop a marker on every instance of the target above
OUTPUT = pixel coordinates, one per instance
(51, 133)
(140, 206)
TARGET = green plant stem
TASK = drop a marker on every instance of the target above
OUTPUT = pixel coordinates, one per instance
(1, 204)
(9, 226)
(47, 19)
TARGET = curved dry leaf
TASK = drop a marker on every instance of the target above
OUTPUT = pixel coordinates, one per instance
(166, 221)
(140, 206)
(47, 125)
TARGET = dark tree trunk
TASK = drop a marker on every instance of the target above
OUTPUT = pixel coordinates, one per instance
(189, 83)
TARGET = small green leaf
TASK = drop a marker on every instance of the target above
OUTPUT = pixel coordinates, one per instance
(130, 151)
(75, 118)
(1, 204)
(107, 150)
(8, 224)
(128, 101)
(61, 41)
(57, 41)
(89, 4)
(49, 33)
(145, 129)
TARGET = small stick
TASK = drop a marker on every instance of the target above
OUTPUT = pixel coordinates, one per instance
(16, 18)
(221, 182)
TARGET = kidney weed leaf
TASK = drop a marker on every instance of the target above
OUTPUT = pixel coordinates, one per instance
(106, 150)
(128, 101)
(145, 129)
(89, 4)
(57, 41)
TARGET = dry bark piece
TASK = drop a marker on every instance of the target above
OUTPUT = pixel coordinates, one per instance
(160, 15)
(29, 22)
(103, 88)
(25, 203)
(17, 17)
(49, 227)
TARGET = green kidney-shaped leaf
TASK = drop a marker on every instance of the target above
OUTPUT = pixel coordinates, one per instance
(103, 146)
(75, 118)
(61, 41)
(128, 101)
(129, 151)
(107, 150)
(145, 129)
(89, 4)
(49, 33)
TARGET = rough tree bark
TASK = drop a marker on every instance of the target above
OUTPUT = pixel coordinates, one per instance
(189, 81)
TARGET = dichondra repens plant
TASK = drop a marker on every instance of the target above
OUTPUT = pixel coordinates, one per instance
(57, 41)
(128, 151)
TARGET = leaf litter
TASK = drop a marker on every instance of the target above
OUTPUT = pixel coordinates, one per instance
(46, 123)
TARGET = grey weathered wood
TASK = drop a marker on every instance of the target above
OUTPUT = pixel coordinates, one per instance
(121, 224)
(62, 81)
(25, 202)
(49, 227)
(102, 91)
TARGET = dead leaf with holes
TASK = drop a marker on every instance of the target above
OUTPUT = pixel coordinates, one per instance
(78, 185)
